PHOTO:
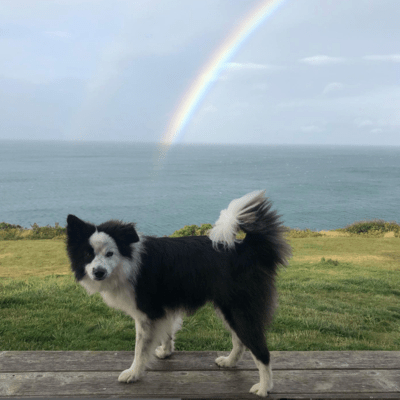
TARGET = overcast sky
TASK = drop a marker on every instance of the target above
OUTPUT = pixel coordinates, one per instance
(314, 72)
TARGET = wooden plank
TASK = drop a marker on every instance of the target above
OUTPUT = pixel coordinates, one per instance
(193, 361)
(232, 384)
(336, 359)
(313, 375)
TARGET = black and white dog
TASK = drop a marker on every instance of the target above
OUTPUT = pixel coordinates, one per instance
(155, 280)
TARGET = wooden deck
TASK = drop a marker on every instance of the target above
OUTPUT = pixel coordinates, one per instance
(297, 375)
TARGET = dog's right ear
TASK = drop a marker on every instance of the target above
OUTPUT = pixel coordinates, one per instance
(74, 223)
(78, 229)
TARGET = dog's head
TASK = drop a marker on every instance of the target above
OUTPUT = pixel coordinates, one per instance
(96, 251)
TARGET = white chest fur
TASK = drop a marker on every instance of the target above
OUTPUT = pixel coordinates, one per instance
(121, 299)
(116, 293)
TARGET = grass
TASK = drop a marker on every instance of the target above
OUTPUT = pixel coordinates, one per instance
(340, 292)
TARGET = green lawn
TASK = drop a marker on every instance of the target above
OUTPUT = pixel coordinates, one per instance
(349, 300)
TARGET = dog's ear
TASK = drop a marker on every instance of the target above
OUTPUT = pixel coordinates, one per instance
(78, 229)
(124, 235)
(130, 233)
(74, 224)
(74, 221)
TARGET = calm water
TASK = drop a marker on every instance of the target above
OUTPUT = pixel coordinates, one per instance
(311, 187)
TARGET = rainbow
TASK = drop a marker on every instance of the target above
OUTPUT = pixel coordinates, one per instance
(211, 70)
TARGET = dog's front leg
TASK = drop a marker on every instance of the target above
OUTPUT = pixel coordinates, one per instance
(145, 344)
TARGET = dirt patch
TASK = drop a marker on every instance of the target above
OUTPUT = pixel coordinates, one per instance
(388, 235)
(393, 255)
(334, 233)
(6, 255)
(344, 234)
(356, 258)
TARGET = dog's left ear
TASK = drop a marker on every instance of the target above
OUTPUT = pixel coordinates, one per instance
(128, 233)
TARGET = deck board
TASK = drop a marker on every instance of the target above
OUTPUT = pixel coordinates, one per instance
(330, 375)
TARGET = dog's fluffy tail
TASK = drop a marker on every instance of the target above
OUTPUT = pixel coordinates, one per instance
(252, 214)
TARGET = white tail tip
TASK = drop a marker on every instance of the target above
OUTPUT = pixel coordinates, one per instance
(228, 223)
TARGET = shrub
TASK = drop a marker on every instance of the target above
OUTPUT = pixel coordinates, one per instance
(375, 227)
(46, 232)
(10, 231)
(298, 233)
(192, 230)
(10, 234)
(17, 232)
(5, 226)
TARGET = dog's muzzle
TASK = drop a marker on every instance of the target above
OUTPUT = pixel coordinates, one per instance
(99, 273)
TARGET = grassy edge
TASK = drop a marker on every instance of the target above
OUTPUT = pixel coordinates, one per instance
(366, 228)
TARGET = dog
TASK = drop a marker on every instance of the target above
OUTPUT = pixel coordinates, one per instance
(156, 280)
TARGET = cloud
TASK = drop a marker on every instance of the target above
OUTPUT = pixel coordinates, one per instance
(376, 130)
(311, 129)
(261, 86)
(360, 123)
(333, 87)
(58, 34)
(384, 58)
(210, 108)
(321, 60)
(246, 66)
(233, 69)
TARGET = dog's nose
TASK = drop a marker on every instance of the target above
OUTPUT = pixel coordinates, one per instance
(99, 273)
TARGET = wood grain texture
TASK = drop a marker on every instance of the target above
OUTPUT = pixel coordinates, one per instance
(297, 375)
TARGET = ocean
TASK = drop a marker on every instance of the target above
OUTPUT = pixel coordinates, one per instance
(314, 187)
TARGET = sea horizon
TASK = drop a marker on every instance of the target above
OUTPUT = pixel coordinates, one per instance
(317, 187)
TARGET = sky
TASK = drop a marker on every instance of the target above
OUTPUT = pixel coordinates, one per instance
(312, 73)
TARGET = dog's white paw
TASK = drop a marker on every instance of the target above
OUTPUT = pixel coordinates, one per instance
(128, 376)
(224, 362)
(260, 391)
(161, 352)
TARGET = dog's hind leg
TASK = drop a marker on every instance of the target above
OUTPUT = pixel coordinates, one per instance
(235, 355)
(261, 356)
(238, 346)
(249, 331)
(265, 385)
(167, 341)
(147, 333)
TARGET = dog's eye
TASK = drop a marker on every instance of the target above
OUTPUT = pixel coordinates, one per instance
(109, 254)
(88, 254)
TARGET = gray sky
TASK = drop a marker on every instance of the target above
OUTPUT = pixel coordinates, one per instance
(315, 72)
